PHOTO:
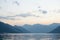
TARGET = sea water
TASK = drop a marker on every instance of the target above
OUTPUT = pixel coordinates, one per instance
(30, 36)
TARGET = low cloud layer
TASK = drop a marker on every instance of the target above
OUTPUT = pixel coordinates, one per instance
(26, 15)
(7, 18)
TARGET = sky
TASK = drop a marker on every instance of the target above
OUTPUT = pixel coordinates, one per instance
(19, 12)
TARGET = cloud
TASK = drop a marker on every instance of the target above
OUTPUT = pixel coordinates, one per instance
(1, 17)
(40, 10)
(6, 17)
(44, 12)
(16, 2)
(26, 15)
(18, 17)
(21, 15)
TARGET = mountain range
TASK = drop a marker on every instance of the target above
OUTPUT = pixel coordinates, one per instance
(36, 28)
(6, 28)
(39, 28)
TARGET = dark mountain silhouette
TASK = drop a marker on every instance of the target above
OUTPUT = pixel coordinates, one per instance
(57, 30)
(6, 28)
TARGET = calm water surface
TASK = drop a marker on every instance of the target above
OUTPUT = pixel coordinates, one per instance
(30, 36)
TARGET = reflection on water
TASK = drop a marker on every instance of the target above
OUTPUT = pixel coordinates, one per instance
(30, 36)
